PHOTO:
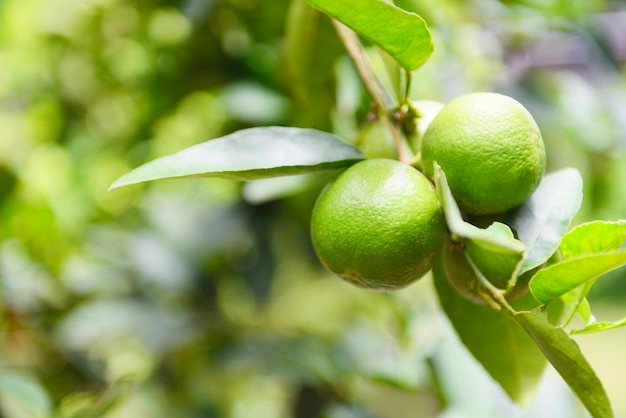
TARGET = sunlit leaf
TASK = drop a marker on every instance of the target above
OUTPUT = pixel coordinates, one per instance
(402, 34)
(495, 340)
(567, 359)
(593, 237)
(542, 220)
(565, 276)
(589, 238)
(251, 154)
(599, 327)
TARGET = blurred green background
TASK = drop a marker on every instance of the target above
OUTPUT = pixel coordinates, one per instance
(203, 298)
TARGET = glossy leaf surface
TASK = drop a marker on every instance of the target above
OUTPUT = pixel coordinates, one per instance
(565, 276)
(402, 34)
(251, 154)
(542, 220)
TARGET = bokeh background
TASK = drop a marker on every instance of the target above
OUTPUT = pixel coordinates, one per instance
(203, 297)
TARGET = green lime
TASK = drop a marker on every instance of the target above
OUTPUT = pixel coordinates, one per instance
(378, 225)
(491, 150)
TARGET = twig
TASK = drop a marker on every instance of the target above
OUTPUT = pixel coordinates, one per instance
(357, 53)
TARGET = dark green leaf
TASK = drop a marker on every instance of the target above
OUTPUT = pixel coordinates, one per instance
(567, 359)
(593, 237)
(402, 34)
(495, 340)
(543, 219)
(560, 278)
(251, 154)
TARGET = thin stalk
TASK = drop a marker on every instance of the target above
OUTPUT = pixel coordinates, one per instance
(574, 307)
(381, 100)
(407, 90)
(495, 294)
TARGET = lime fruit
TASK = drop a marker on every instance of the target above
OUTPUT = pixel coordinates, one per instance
(491, 150)
(378, 225)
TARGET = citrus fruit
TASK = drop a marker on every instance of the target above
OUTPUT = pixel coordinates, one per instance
(490, 149)
(378, 225)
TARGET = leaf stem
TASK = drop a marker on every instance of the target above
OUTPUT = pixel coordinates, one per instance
(381, 100)
(496, 295)
(407, 89)
(576, 305)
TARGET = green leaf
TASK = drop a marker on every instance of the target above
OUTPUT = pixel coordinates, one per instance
(495, 238)
(251, 154)
(503, 348)
(542, 220)
(402, 34)
(586, 239)
(27, 391)
(567, 359)
(599, 327)
(590, 238)
(593, 237)
(565, 276)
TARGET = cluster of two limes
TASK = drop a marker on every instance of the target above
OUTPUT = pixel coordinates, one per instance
(380, 225)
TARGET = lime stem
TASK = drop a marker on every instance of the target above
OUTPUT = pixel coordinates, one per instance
(381, 100)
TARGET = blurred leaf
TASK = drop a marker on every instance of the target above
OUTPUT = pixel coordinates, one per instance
(495, 340)
(311, 52)
(567, 359)
(402, 34)
(252, 103)
(541, 221)
(26, 391)
(593, 237)
(599, 326)
(265, 190)
(381, 357)
(345, 411)
(565, 276)
(251, 154)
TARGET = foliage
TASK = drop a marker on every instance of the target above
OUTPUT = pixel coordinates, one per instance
(184, 298)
